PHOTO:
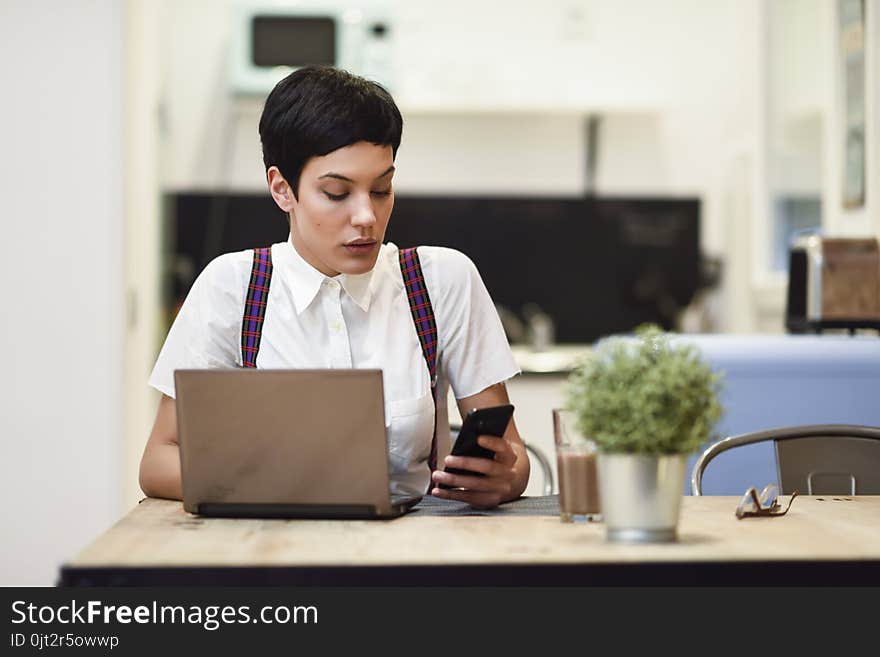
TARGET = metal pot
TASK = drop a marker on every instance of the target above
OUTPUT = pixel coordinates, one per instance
(641, 496)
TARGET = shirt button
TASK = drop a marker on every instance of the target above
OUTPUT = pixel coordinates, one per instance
(333, 285)
(336, 327)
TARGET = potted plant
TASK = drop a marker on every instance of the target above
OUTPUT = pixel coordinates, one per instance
(647, 402)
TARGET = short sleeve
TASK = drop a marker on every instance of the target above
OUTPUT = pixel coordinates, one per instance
(473, 347)
(206, 332)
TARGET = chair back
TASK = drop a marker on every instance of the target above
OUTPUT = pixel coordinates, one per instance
(823, 459)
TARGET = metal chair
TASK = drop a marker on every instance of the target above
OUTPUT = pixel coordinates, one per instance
(535, 454)
(547, 471)
(821, 459)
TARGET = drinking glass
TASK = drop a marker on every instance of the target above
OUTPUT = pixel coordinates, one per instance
(576, 466)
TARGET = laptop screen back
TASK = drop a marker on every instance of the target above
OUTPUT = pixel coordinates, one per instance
(275, 437)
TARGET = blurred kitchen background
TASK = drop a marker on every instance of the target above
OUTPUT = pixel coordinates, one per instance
(604, 163)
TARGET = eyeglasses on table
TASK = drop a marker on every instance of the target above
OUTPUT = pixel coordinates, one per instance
(766, 503)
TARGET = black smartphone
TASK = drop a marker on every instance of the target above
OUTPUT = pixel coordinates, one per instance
(491, 421)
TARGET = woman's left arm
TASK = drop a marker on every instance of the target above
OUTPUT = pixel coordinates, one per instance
(505, 477)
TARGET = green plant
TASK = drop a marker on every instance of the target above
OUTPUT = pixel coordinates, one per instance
(645, 395)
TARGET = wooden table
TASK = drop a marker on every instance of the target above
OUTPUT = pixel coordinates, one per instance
(822, 540)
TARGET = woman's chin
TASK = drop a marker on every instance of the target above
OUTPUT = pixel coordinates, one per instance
(356, 265)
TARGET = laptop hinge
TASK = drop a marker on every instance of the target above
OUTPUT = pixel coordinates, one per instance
(270, 510)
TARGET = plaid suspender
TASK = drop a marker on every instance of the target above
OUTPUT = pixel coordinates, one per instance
(419, 305)
(426, 327)
(255, 306)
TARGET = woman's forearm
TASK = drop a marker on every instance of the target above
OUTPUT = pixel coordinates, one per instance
(521, 469)
(160, 472)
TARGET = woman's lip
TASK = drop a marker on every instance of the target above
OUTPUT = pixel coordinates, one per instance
(370, 243)
(362, 247)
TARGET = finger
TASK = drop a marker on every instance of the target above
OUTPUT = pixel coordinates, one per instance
(503, 451)
(442, 493)
(477, 500)
(472, 463)
(462, 481)
(496, 484)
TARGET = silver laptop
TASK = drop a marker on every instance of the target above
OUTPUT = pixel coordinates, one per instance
(284, 444)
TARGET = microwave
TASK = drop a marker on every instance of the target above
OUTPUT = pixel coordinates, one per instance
(269, 43)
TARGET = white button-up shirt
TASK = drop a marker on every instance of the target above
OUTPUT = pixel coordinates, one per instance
(364, 321)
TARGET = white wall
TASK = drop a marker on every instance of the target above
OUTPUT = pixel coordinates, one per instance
(60, 185)
(794, 93)
(144, 319)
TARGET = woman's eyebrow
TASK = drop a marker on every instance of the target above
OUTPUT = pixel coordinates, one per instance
(339, 176)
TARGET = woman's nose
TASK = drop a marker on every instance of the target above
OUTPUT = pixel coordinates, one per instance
(363, 214)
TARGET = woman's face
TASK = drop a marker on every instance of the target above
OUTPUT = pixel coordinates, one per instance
(345, 201)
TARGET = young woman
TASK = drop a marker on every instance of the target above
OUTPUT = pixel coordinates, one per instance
(338, 297)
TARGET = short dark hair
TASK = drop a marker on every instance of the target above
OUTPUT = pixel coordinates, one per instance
(317, 109)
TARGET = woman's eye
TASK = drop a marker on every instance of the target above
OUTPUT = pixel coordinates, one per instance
(386, 192)
(335, 197)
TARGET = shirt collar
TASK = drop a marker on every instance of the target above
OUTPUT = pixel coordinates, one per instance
(307, 281)
(359, 287)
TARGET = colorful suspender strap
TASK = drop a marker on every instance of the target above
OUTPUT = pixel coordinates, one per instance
(426, 327)
(255, 306)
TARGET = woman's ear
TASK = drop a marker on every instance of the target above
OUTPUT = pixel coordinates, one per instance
(280, 190)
